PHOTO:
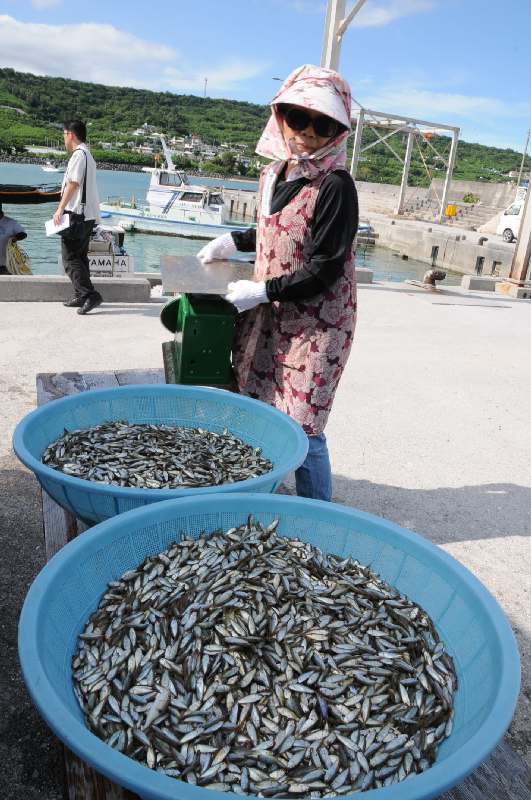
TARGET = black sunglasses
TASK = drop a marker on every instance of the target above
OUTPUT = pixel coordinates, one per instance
(298, 120)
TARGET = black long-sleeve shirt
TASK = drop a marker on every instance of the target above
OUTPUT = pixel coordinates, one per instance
(332, 230)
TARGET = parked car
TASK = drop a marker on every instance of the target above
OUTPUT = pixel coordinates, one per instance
(510, 220)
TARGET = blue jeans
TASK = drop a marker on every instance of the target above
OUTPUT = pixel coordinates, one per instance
(314, 477)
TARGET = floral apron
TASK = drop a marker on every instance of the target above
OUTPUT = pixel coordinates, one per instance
(292, 354)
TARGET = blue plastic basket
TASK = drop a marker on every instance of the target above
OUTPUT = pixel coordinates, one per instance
(468, 619)
(282, 440)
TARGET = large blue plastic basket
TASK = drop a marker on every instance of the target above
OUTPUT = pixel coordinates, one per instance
(468, 619)
(282, 440)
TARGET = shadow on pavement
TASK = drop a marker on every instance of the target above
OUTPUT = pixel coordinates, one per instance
(444, 514)
(114, 309)
(466, 298)
(30, 756)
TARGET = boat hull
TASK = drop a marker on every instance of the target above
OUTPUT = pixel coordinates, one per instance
(29, 195)
(135, 220)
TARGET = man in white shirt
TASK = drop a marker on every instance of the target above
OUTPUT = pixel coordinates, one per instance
(10, 231)
(79, 199)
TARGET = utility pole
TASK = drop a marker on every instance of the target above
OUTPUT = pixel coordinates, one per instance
(204, 90)
(336, 24)
(523, 159)
(522, 253)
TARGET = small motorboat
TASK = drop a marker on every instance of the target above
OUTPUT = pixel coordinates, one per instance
(51, 167)
(174, 206)
(21, 194)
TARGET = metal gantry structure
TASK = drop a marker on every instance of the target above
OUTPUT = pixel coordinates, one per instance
(412, 127)
(336, 23)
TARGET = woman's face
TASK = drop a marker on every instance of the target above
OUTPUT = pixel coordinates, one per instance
(305, 141)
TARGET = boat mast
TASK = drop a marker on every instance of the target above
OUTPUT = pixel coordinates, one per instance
(167, 155)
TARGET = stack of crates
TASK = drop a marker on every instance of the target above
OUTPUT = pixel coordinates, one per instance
(201, 351)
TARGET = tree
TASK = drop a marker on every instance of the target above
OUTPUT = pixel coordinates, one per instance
(228, 160)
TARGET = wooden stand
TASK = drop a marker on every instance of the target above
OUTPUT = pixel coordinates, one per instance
(503, 777)
(60, 526)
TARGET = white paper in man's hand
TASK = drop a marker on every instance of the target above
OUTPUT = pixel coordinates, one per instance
(52, 228)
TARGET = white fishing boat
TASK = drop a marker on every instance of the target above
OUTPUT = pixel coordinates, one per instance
(51, 167)
(173, 206)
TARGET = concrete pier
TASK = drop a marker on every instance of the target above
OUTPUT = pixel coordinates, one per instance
(241, 203)
(457, 249)
(430, 429)
(478, 283)
(54, 288)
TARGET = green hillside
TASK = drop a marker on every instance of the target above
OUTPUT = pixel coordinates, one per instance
(113, 109)
(114, 112)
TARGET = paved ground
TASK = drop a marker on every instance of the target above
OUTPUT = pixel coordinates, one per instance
(430, 428)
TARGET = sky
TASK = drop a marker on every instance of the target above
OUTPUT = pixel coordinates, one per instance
(465, 63)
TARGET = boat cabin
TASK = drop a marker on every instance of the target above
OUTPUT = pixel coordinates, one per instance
(171, 189)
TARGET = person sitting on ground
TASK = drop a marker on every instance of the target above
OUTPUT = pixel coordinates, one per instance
(10, 231)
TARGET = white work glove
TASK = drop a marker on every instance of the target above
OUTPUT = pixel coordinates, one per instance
(222, 247)
(246, 294)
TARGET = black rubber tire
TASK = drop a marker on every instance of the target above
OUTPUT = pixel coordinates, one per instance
(508, 235)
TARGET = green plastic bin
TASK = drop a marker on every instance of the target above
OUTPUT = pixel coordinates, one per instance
(204, 329)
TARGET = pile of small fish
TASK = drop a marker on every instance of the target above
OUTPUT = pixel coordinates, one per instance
(248, 662)
(147, 456)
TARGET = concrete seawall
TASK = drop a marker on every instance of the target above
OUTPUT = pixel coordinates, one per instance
(492, 194)
(459, 250)
(372, 197)
(382, 198)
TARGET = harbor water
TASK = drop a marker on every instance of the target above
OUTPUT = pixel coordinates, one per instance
(147, 249)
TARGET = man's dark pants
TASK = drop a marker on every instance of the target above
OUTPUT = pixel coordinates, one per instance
(76, 263)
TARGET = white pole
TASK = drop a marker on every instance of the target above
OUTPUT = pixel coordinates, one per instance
(343, 25)
(335, 12)
(523, 159)
(522, 253)
(449, 171)
(335, 26)
(357, 144)
(405, 173)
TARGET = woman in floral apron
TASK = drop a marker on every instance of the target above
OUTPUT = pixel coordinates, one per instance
(298, 314)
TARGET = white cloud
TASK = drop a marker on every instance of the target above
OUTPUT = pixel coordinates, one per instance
(85, 51)
(46, 3)
(377, 14)
(425, 103)
(104, 54)
(220, 78)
